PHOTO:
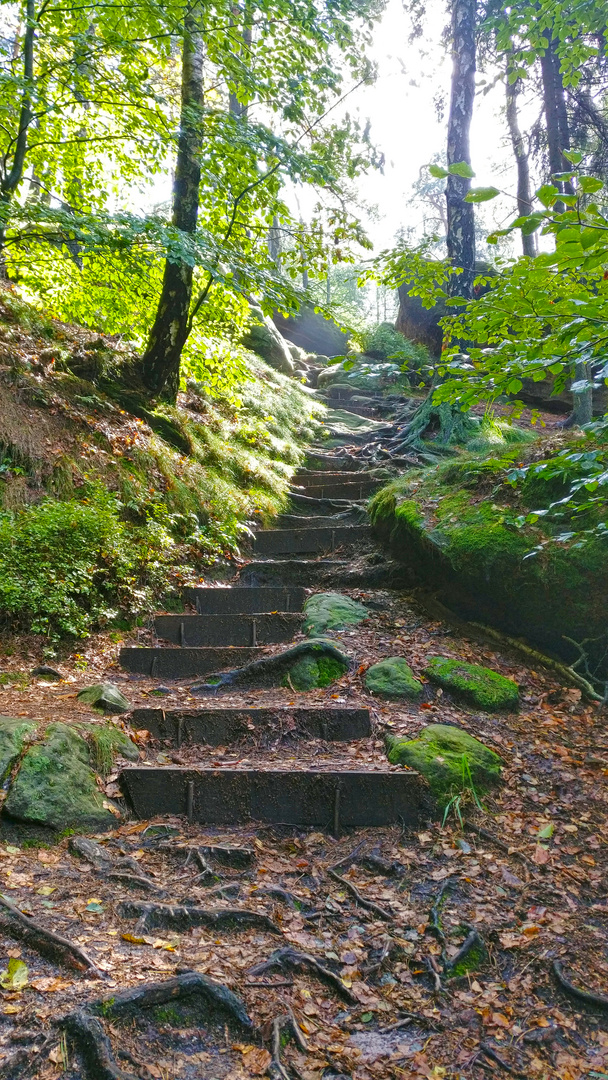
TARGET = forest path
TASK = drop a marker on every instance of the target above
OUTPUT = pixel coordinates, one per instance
(392, 950)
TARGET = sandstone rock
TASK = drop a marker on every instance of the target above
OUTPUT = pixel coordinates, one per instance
(393, 679)
(451, 760)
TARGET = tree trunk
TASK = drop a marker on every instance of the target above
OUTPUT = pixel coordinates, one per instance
(556, 116)
(11, 178)
(161, 362)
(461, 215)
(524, 198)
(582, 403)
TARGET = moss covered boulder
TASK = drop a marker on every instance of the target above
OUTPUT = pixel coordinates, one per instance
(312, 673)
(56, 786)
(473, 683)
(458, 528)
(331, 611)
(451, 760)
(14, 734)
(394, 679)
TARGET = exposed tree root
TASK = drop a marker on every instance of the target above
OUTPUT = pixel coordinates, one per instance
(599, 1000)
(238, 858)
(472, 941)
(275, 1070)
(21, 927)
(135, 881)
(265, 671)
(381, 912)
(493, 1054)
(185, 985)
(93, 1047)
(180, 917)
(289, 958)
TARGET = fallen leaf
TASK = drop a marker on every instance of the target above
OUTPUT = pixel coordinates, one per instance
(256, 1059)
(16, 975)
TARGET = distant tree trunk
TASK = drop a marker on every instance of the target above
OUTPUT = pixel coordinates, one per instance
(161, 361)
(236, 107)
(461, 215)
(582, 403)
(10, 178)
(524, 198)
(556, 116)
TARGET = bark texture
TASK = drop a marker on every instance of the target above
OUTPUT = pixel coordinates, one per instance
(524, 198)
(161, 362)
(461, 215)
(556, 116)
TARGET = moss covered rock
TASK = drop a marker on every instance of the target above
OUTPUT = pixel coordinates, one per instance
(56, 785)
(446, 528)
(451, 760)
(331, 611)
(393, 678)
(107, 742)
(312, 673)
(13, 737)
(473, 683)
(105, 697)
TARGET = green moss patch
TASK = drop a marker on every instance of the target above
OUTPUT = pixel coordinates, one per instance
(473, 683)
(331, 611)
(106, 743)
(13, 737)
(56, 786)
(451, 760)
(393, 679)
(312, 672)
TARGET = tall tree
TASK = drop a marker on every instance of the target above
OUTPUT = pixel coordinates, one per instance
(161, 361)
(460, 214)
(524, 195)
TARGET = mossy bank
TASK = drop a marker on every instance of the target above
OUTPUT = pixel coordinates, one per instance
(108, 501)
(463, 529)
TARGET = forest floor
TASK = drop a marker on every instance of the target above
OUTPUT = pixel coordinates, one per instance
(528, 873)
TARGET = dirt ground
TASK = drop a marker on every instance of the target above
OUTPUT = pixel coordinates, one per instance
(527, 873)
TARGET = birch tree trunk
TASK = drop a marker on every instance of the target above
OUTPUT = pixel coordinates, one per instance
(11, 173)
(461, 215)
(161, 361)
(524, 198)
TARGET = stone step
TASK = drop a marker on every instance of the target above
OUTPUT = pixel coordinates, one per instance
(315, 521)
(217, 727)
(228, 796)
(195, 630)
(294, 541)
(185, 663)
(332, 463)
(251, 601)
(307, 572)
(324, 507)
(334, 489)
(313, 477)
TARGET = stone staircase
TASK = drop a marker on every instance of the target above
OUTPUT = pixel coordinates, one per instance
(232, 626)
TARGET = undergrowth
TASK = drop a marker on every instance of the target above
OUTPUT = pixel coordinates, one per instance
(109, 503)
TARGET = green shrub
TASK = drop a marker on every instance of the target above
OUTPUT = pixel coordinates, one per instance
(386, 343)
(67, 566)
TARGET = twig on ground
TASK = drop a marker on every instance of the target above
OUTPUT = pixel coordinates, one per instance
(297, 961)
(434, 972)
(381, 912)
(418, 1018)
(297, 1031)
(491, 1053)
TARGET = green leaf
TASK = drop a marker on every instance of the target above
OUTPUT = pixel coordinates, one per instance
(573, 156)
(481, 194)
(438, 172)
(547, 194)
(95, 907)
(461, 168)
(348, 365)
(366, 1017)
(16, 975)
(562, 176)
(590, 184)
(546, 832)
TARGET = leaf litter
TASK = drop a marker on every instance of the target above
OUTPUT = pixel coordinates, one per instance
(526, 878)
